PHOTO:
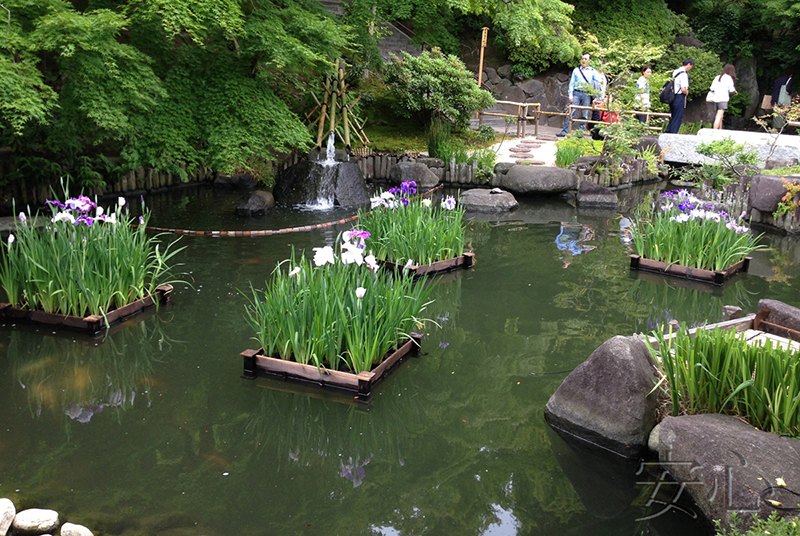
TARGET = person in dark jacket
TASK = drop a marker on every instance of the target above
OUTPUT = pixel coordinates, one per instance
(785, 78)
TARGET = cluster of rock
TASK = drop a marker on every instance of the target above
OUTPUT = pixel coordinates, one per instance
(35, 522)
(725, 464)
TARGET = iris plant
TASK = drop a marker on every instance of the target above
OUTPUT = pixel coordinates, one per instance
(688, 232)
(86, 260)
(401, 227)
(719, 372)
(334, 311)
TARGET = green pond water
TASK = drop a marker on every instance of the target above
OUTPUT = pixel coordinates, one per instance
(152, 430)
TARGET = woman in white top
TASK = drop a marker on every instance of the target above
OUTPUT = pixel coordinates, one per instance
(643, 88)
(722, 87)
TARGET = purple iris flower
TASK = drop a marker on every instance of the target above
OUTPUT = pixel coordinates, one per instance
(359, 233)
(58, 204)
(408, 187)
(444, 344)
(668, 195)
(686, 206)
(394, 190)
(80, 203)
(404, 201)
(83, 218)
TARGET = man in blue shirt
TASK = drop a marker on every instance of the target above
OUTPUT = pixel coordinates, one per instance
(581, 83)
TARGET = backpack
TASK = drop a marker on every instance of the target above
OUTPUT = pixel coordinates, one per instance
(667, 93)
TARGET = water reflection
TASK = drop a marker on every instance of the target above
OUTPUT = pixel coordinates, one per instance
(81, 377)
(662, 299)
(573, 238)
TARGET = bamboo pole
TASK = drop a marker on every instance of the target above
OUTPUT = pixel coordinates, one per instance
(333, 101)
(322, 114)
(344, 113)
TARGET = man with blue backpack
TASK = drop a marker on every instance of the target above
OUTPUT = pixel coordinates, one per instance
(680, 91)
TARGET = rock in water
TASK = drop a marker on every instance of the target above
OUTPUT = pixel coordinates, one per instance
(68, 529)
(609, 399)
(35, 521)
(7, 513)
(313, 183)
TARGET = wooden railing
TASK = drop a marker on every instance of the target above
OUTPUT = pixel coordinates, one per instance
(523, 117)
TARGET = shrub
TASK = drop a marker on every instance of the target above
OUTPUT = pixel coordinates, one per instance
(774, 525)
(435, 84)
(707, 66)
(486, 133)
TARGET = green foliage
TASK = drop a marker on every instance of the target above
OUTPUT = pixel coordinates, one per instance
(169, 85)
(693, 128)
(435, 84)
(737, 158)
(783, 171)
(719, 372)
(486, 133)
(707, 66)
(566, 155)
(81, 264)
(718, 175)
(651, 21)
(537, 34)
(738, 103)
(314, 314)
(774, 525)
(623, 56)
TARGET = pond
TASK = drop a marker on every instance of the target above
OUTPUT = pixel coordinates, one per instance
(152, 430)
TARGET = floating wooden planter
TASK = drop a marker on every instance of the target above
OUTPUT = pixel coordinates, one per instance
(90, 324)
(361, 384)
(716, 277)
(465, 261)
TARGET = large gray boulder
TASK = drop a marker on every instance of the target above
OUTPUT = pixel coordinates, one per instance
(256, 203)
(595, 196)
(482, 200)
(605, 400)
(766, 191)
(532, 180)
(35, 521)
(533, 88)
(7, 513)
(729, 466)
(781, 314)
(413, 171)
(308, 182)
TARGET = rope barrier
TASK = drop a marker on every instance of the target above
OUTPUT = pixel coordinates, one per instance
(268, 232)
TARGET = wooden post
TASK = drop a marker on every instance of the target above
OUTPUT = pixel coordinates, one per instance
(480, 64)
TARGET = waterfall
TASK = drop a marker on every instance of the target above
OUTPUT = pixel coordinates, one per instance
(325, 179)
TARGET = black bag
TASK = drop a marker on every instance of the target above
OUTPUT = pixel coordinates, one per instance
(667, 93)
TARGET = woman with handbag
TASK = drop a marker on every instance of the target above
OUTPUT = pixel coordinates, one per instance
(719, 94)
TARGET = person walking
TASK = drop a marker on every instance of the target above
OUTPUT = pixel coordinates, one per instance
(584, 78)
(721, 88)
(681, 80)
(643, 88)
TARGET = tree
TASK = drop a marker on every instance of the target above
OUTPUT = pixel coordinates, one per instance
(435, 84)
(216, 83)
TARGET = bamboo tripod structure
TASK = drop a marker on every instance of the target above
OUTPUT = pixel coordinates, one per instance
(336, 100)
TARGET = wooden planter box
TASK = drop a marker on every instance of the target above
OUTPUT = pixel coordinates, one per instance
(465, 261)
(257, 364)
(716, 277)
(90, 324)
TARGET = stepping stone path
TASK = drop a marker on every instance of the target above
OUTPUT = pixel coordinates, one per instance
(547, 138)
(520, 149)
(530, 162)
